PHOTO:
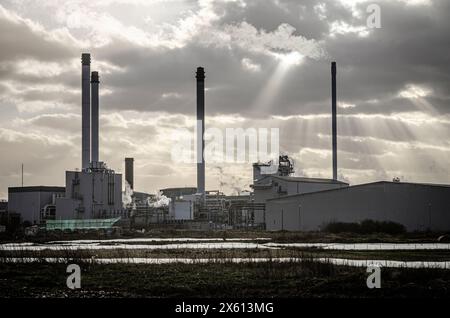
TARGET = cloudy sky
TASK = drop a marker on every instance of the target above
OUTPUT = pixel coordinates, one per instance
(267, 65)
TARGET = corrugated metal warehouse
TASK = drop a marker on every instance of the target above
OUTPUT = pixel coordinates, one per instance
(273, 186)
(417, 206)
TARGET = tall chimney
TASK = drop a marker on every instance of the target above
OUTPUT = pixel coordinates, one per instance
(94, 115)
(129, 171)
(333, 116)
(200, 130)
(85, 110)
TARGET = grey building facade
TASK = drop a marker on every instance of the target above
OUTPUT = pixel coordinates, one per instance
(32, 202)
(273, 186)
(417, 206)
(91, 194)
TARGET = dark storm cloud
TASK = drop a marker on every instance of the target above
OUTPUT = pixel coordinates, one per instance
(151, 74)
(411, 47)
(303, 15)
(393, 83)
(19, 40)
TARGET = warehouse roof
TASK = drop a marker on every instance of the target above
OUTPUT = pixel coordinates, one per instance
(362, 185)
(36, 189)
(304, 179)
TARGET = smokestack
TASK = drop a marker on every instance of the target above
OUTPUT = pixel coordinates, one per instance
(129, 171)
(94, 115)
(333, 116)
(85, 110)
(200, 130)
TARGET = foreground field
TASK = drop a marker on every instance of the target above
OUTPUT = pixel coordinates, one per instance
(280, 236)
(216, 264)
(217, 254)
(305, 279)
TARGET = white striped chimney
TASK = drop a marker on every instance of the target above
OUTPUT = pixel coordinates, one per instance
(200, 76)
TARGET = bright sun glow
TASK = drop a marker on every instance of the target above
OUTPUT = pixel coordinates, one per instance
(415, 91)
(293, 58)
(267, 97)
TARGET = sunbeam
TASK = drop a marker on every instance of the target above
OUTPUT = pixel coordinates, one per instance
(266, 98)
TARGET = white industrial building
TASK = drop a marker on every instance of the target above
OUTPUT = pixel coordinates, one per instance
(418, 207)
(280, 183)
(182, 208)
(182, 200)
(91, 194)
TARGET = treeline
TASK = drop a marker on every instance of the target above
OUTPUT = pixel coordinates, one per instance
(366, 227)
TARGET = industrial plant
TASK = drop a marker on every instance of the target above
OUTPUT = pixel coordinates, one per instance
(96, 197)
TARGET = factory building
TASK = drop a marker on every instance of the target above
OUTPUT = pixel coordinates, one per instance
(419, 207)
(96, 190)
(269, 184)
(280, 200)
(91, 194)
(178, 192)
(270, 187)
(309, 204)
(182, 200)
(34, 203)
(182, 208)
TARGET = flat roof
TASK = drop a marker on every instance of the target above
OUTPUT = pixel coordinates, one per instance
(304, 179)
(362, 185)
(36, 189)
(178, 189)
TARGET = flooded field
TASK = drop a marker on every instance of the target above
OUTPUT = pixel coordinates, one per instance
(365, 246)
(233, 250)
(258, 266)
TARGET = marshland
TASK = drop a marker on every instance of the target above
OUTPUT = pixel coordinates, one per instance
(228, 264)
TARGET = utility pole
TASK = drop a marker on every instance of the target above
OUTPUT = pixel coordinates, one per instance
(22, 175)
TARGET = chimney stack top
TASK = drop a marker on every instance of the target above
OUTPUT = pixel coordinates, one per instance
(86, 59)
(94, 77)
(200, 73)
(333, 68)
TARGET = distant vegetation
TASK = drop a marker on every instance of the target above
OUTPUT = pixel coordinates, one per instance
(366, 227)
